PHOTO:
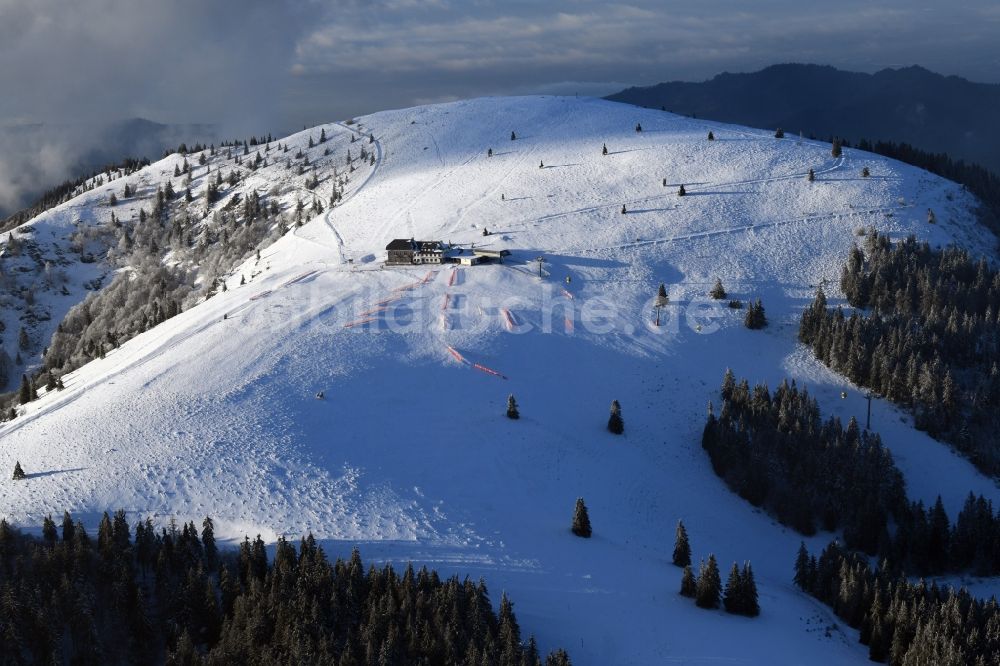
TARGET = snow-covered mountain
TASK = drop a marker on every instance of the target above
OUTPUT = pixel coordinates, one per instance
(408, 452)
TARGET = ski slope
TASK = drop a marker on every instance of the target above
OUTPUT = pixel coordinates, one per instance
(409, 455)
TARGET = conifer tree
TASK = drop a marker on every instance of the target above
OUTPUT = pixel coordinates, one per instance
(837, 149)
(208, 542)
(681, 192)
(750, 600)
(581, 520)
(18, 472)
(24, 394)
(718, 291)
(689, 586)
(812, 176)
(709, 584)
(67, 527)
(755, 318)
(711, 137)
(682, 549)
(802, 568)
(49, 533)
(512, 412)
(865, 173)
(732, 598)
(558, 658)
(661, 295)
(779, 133)
(604, 150)
(615, 422)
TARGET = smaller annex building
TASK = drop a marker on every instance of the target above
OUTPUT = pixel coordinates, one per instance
(407, 252)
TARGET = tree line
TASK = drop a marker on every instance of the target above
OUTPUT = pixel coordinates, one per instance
(930, 340)
(902, 622)
(776, 452)
(172, 596)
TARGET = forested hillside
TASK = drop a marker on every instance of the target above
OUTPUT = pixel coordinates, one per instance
(925, 333)
(172, 596)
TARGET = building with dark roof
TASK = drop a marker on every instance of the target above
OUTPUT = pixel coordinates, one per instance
(406, 252)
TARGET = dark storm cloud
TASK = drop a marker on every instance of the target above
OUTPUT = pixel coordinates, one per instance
(272, 65)
(66, 63)
(172, 60)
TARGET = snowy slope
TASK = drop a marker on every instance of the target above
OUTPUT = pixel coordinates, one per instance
(409, 454)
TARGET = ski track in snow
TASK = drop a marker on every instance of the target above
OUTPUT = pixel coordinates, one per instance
(408, 454)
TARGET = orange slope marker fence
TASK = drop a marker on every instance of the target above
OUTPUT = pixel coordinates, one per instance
(509, 319)
(477, 366)
(488, 371)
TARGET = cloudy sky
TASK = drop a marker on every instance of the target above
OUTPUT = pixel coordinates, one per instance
(274, 65)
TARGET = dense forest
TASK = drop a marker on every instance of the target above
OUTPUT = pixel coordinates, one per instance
(902, 622)
(172, 596)
(929, 342)
(776, 452)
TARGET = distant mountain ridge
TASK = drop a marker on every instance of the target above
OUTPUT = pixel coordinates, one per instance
(930, 111)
